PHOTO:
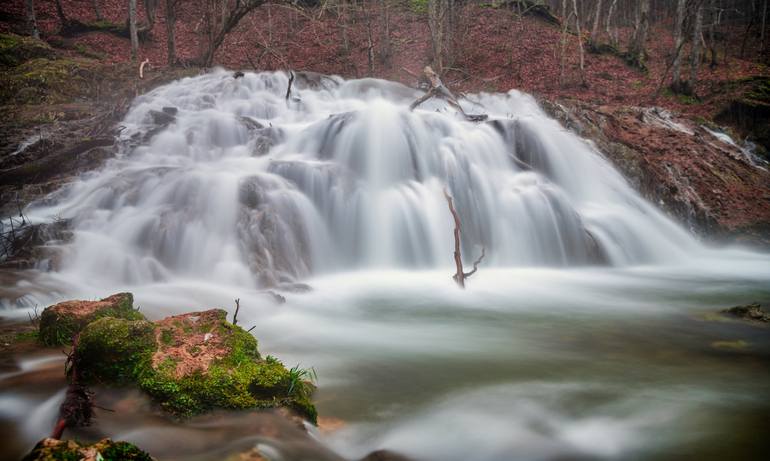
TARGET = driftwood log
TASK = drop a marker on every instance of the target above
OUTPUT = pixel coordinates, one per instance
(77, 408)
(460, 274)
(439, 90)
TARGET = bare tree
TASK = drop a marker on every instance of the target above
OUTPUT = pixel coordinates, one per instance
(597, 15)
(695, 56)
(231, 14)
(678, 43)
(97, 10)
(32, 19)
(636, 51)
(613, 38)
(580, 43)
(170, 33)
(385, 48)
(133, 29)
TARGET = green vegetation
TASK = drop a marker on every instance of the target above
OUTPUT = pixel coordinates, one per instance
(122, 352)
(69, 450)
(60, 323)
(43, 80)
(15, 49)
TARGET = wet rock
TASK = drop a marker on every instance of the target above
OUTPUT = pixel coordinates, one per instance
(750, 312)
(162, 118)
(50, 449)
(385, 455)
(709, 186)
(191, 363)
(60, 322)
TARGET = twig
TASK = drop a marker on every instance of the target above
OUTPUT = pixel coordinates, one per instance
(141, 67)
(237, 308)
(288, 88)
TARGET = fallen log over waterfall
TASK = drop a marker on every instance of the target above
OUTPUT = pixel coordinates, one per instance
(439, 90)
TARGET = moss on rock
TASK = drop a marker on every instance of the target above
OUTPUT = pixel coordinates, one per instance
(49, 81)
(191, 363)
(68, 450)
(60, 322)
(15, 49)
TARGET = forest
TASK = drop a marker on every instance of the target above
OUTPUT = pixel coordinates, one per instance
(384, 230)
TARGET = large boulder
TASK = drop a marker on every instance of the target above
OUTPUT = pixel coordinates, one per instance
(61, 322)
(52, 449)
(191, 363)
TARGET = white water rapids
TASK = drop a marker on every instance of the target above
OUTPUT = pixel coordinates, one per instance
(582, 336)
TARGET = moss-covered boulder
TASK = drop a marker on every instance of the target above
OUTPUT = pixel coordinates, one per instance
(191, 363)
(15, 49)
(59, 323)
(68, 450)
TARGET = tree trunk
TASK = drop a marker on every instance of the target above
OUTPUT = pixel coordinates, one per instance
(595, 29)
(696, 40)
(712, 43)
(678, 43)
(641, 26)
(170, 35)
(563, 57)
(132, 29)
(580, 43)
(97, 10)
(385, 49)
(613, 39)
(762, 32)
(32, 19)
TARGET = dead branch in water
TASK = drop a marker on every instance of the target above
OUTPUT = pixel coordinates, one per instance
(77, 408)
(237, 308)
(439, 90)
(288, 88)
(460, 275)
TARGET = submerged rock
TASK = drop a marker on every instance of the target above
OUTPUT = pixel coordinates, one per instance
(51, 449)
(60, 322)
(191, 363)
(751, 312)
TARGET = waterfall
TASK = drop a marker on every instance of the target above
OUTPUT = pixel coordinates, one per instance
(225, 179)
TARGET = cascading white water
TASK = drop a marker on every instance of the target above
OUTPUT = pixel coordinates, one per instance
(243, 186)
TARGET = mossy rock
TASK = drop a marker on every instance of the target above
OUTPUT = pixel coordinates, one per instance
(15, 49)
(191, 363)
(68, 450)
(61, 322)
(44, 80)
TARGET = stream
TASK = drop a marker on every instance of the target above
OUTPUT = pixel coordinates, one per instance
(591, 330)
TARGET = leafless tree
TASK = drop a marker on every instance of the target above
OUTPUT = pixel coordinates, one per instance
(133, 29)
(222, 21)
(32, 19)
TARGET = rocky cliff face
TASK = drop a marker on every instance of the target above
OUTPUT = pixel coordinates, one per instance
(714, 187)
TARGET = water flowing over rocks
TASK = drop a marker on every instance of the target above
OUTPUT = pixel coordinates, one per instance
(239, 184)
(704, 180)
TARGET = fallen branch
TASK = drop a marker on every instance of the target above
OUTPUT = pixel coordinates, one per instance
(237, 308)
(438, 89)
(288, 88)
(460, 275)
(141, 67)
(77, 408)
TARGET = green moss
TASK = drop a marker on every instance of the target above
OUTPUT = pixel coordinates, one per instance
(121, 351)
(112, 350)
(59, 323)
(69, 450)
(15, 49)
(44, 80)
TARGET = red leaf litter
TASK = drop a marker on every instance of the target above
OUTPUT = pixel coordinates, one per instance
(495, 50)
